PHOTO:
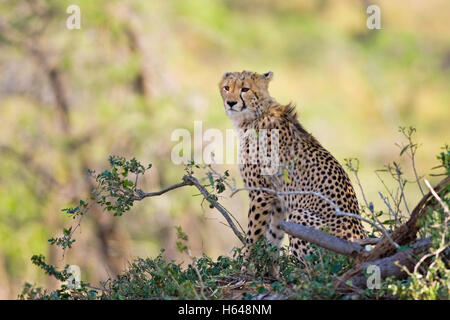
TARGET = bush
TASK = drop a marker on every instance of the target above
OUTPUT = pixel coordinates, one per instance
(204, 278)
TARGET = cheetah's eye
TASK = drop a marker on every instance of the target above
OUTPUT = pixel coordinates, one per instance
(245, 89)
(226, 88)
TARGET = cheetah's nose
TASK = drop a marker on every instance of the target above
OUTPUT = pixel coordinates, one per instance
(231, 103)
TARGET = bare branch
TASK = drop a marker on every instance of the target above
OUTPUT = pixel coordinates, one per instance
(367, 241)
(321, 239)
(389, 207)
(444, 206)
(416, 174)
(401, 184)
(407, 232)
(355, 172)
(437, 253)
(223, 178)
(141, 194)
(395, 201)
(216, 205)
(189, 180)
(389, 266)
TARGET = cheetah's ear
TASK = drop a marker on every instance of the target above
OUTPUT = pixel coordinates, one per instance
(268, 75)
(226, 74)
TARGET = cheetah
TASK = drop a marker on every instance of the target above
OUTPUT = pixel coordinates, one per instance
(302, 165)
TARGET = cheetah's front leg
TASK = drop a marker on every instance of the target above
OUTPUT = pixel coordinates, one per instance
(264, 214)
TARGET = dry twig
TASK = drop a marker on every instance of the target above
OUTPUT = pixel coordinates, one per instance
(189, 180)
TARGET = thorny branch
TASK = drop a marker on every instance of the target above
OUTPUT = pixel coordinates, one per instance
(189, 180)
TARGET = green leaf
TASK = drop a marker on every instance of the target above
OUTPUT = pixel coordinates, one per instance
(389, 222)
(211, 180)
(404, 149)
(402, 248)
(286, 176)
(127, 183)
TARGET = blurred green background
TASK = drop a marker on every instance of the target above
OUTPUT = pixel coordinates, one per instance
(137, 70)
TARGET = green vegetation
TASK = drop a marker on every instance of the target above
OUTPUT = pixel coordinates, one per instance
(205, 278)
(225, 278)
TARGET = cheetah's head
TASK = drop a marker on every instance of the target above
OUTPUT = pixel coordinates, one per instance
(243, 94)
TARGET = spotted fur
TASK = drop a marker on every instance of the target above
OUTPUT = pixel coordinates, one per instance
(303, 164)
